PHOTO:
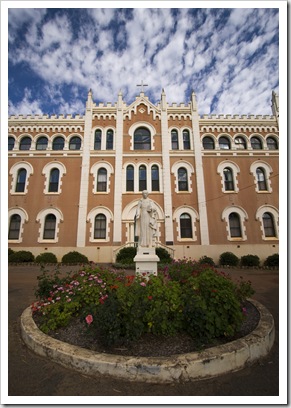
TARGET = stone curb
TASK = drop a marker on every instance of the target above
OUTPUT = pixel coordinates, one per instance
(211, 362)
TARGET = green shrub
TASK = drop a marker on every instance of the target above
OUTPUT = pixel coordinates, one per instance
(46, 283)
(21, 256)
(46, 257)
(10, 252)
(228, 258)
(272, 261)
(126, 255)
(206, 260)
(164, 255)
(74, 257)
(250, 260)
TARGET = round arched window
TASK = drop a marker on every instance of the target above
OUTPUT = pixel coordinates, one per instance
(142, 139)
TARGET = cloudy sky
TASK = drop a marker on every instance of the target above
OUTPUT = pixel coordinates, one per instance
(228, 56)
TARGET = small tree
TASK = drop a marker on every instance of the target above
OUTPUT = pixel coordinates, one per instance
(21, 256)
(46, 257)
(272, 261)
(250, 260)
(228, 258)
(74, 257)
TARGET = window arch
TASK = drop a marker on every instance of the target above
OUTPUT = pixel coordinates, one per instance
(109, 139)
(182, 179)
(240, 143)
(58, 143)
(155, 178)
(272, 143)
(262, 172)
(228, 171)
(174, 139)
(142, 178)
(234, 225)
(97, 139)
(25, 143)
(14, 227)
(101, 172)
(49, 220)
(130, 178)
(178, 169)
(100, 220)
(42, 143)
(49, 230)
(20, 178)
(100, 226)
(11, 143)
(228, 179)
(53, 172)
(224, 143)
(142, 139)
(269, 219)
(21, 181)
(54, 180)
(256, 143)
(186, 217)
(186, 139)
(269, 225)
(102, 180)
(75, 143)
(185, 226)
(261, 179)
(235, 218)
(208, 143)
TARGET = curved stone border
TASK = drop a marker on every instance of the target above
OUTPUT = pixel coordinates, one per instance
(181, 367)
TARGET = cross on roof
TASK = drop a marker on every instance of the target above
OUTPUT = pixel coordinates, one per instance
(142, 85)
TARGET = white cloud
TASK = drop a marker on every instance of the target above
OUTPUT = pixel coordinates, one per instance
(26, 106)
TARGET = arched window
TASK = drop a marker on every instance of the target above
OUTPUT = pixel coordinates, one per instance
(21, 180)
(41, 143)
(240, 143)
(25, 143)
(208, 143)
(272, 143)
(269, 225)
(224, 143)
(182, 179)
(142, 139)
(75, 143)
(14, 227)
(261, 179)
(58, 143)
(102, 180)
(186, 140)
(256, 143)
(100, 226)
(11, 143)
(175, 140)
(142, 178)
(228, 179)
(155, 178)
(234, 225)
(54, 181)
(97, 139)
(185, 226)
(130, 178)
(49, 229)
(109, 139)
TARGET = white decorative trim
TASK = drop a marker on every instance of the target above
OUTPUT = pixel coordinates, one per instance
(235, 171)
(24, 218)
(46, 172)
(94, 170)
(243, 217)
(190, 171)
(14, 172)
(41, 219)
(91, 218)
(146, 125)
(194, 217)
(136, 176)
(268, 171)
(259, 216)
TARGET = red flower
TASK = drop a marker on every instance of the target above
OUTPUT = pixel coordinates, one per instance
(150, 297)
(89, 319)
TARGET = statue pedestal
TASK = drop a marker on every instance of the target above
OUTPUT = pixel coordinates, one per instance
(146, 261)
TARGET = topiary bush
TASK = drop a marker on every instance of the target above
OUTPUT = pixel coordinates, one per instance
(228, 258)
(74, 257)
(250, 260)
(206, 260)
(126, 255)
(21, 256)
(46, 257)
(272, 261)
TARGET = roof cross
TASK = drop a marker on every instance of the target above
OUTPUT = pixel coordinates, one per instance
(142, 85)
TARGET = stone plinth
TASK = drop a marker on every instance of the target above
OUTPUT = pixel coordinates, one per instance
(146, 261)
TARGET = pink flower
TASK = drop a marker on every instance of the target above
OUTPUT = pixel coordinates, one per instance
(89, 319)
(143, 284)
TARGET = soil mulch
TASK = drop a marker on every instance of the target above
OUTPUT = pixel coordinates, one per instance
(149, 345)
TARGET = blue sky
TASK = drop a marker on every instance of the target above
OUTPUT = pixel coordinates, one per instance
(228, 56)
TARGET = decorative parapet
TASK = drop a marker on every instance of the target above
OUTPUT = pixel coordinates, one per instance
(236, 117)
(53, 117)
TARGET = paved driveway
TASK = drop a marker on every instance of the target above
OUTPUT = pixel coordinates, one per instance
(31, 375)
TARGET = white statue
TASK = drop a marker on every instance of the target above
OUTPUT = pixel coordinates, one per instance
(146, 221)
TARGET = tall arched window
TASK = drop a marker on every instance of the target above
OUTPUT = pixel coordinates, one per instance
(174, 139)
(256, 143)
(186, 140)
(235, 225)
(100, 226)
(21, 180)
(228, 179)
(97, 139)
(155, 178)
(41, 143)
(75, 143)
(14, 227)
(11, 143)
(269, 225)
(240, 143)
(224, 143)
(130, 178)
(182, 179)
(109, 139)
(102, 180)
(25, 143)
(54, 181)
(208, 143)
(142, 178)
(185, 226)
(142, 139)
(261, 179)
(272, 143)
(49, 229)
(59, 143)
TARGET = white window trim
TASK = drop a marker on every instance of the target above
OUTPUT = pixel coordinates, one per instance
(24, 219)
(66, 144)
(235, 171)
(259, 216)
(94, 170)
(91, 219)
(69, 140)
(268, 171)
(190, 171)
(194, 217)
(41, 219)
(243, 217)
(146, 125)
(136, 167)
(46, 172)
(14, 171)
